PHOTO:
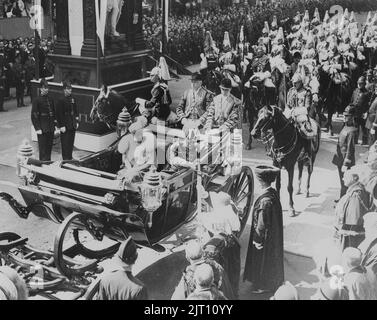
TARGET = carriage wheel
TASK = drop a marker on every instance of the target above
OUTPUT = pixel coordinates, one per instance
(71, 257)
(242, 194)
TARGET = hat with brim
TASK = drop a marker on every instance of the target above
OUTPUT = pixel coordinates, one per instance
(226, 84)
(266, 173)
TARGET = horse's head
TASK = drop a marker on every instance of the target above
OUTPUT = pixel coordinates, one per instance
(265, 121)
(97, 112)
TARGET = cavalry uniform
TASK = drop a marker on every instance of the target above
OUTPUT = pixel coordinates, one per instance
(67, 117)
(159, 105)
(223, 113)
(194, 105)
(300, 98)
(43, 118)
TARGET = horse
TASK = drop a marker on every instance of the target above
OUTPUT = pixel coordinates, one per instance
(335, 91)
(108, 107)
(287, 146)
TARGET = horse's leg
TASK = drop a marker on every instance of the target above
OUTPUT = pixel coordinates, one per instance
(251, 127)
(310, 171)
(291, 172)
(300, 170)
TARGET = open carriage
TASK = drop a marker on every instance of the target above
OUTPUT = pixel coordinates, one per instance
(91, 202)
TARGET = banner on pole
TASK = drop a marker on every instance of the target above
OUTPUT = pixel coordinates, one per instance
(101, 16)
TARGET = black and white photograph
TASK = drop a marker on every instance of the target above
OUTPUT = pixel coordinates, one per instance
(179, 150)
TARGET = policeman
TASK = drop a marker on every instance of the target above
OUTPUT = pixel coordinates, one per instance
(118, 283)
(19, 80)
(344, 158)
(67, 118)
(43, 120)
(360, 99)
(192, 109)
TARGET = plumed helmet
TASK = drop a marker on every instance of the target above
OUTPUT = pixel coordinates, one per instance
(326, 18)
(316, 19)
(352, 17)
(242, 34)
(226, 42)
(164, 74)
(266, 28)
(274, 23)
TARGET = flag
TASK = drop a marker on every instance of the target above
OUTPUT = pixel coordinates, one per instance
(101, 16)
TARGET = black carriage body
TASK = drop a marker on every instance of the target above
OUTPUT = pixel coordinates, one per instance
(59, 189)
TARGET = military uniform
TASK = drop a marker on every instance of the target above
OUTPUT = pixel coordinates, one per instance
(300, 98)
(159, 105)
(43, 118)
(19, 80)
(360, 99)
(223, 113)
(194, 105)
(67, 116)
(345, 153)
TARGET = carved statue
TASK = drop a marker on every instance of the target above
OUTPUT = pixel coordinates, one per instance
(114, 11)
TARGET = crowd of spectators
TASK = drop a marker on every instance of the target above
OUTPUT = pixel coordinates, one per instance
(16, 8)
(186, 31)
(18, 65)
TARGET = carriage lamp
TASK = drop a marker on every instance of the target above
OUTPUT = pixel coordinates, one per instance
(152, 192)
(24, 153)
(236, 152)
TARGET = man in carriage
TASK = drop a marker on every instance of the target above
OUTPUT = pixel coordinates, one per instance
(224, 111)
(192, 109)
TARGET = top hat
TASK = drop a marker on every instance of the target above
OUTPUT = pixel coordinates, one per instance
(196, 77)
(127, 250)
(226, 84)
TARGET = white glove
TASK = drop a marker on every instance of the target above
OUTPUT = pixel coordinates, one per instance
(344, 168)
(184, 121)
(63, 130)
(372, 131)
(38, 132)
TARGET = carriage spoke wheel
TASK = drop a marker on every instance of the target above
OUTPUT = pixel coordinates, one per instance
(242, 195)
(71, 256)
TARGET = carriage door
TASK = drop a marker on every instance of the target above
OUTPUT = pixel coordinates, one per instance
(180, 200)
